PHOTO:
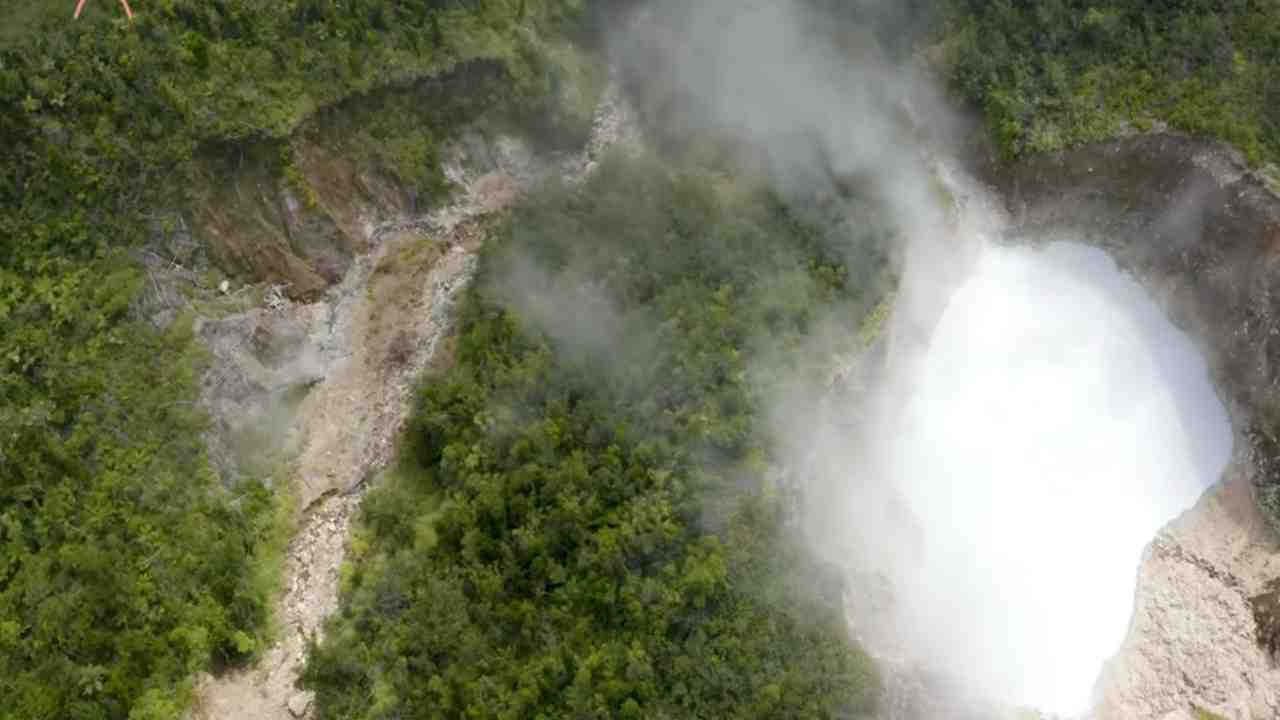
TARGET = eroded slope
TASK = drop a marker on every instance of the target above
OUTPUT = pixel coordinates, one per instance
(358, 353)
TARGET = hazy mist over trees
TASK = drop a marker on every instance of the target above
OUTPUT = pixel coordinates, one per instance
(587, 518)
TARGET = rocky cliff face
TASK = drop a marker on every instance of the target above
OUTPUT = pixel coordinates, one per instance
(1202, 233)
(297, 212)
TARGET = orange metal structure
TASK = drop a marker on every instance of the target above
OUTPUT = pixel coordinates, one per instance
(127, 10)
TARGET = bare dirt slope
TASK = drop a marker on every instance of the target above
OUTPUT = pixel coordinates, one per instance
(347, 425)
(330, 383)
(1192, 641)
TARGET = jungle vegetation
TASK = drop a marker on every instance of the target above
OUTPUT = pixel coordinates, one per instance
(545, 548)
(1058, 73)
(125, 564)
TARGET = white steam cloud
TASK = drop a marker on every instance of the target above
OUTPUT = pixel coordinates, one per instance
(1058, 422)
(1039, 419)
(817, 103)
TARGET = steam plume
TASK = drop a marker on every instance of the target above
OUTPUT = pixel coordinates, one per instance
(1039, 419)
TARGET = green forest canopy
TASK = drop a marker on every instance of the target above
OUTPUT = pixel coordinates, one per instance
(1056, 73)
(127, 566)
(543, 551)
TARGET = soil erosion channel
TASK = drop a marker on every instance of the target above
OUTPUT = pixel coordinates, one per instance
(363, 349)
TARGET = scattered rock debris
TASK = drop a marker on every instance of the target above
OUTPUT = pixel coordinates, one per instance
(358, 379)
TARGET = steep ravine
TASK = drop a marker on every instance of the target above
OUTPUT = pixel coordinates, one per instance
(355, 356)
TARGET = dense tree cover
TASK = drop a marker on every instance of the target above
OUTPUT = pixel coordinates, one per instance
(123, 567)
(546, 548)
(97, 113)
(544, 553)
(1052, 73)
(126, 565)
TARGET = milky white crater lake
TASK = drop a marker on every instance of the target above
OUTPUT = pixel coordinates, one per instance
(1060, 421)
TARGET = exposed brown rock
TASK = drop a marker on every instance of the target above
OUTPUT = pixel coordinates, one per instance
(302, 233)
